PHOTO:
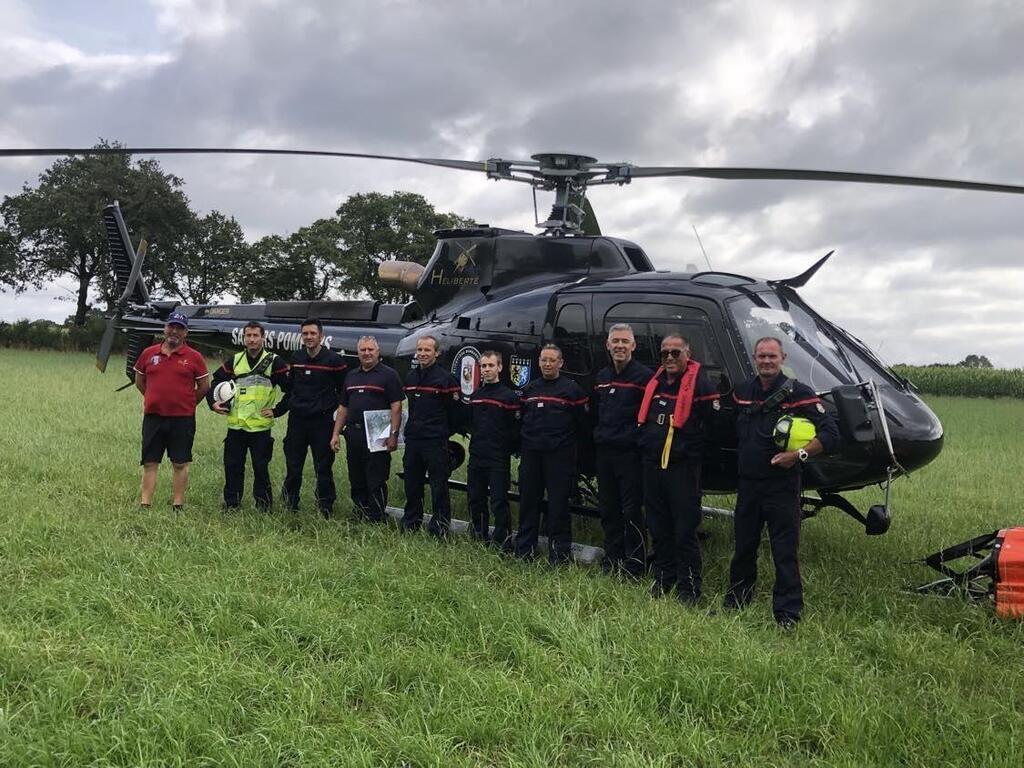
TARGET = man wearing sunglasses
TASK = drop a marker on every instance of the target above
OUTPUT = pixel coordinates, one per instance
(676, 406)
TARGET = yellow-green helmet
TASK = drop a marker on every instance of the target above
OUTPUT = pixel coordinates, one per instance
(793, 432)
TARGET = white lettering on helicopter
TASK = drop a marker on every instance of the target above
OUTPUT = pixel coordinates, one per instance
(280, 340)
(437, 277)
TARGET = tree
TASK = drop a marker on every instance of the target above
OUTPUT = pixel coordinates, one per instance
(974, 361)
(8, 259)
(58, 230)
(373, 228)
(303, 266)
(209, 260)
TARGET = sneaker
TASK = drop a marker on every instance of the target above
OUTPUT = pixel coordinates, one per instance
(178, 507)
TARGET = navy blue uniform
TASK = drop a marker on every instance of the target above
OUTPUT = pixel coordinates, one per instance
(433, 400)
(553, 418)
(314, 386)
(494, 409)
(368, 471)
(672, 496)
(259, 445)
(616, 401)
(770, 495)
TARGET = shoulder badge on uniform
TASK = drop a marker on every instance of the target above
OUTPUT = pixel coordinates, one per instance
(820, 407)
(716, 404)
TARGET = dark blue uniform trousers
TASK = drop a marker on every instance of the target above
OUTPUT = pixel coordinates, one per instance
(774, 502)
(672, 499)
(368, 474)
(260, 446)
(427, 460)
(490, 484)
(619, 498)
(312, 433)
(554, 472)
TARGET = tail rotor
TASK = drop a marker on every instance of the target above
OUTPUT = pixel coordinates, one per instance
(127, 263)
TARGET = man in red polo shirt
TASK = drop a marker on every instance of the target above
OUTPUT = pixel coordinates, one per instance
(172, 378)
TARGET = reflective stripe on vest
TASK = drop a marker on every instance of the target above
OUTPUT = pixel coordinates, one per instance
(253, 393)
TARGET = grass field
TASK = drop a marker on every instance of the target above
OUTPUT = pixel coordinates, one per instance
(240, 639)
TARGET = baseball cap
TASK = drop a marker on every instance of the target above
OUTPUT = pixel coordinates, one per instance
(178, 319)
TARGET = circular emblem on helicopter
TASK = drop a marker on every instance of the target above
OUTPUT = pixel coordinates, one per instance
(466, 369)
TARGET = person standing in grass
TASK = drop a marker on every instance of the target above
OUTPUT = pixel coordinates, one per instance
(618, 391)
(676, 406)
(433, 396)
(315, 382)
(769, 479)
(554, 417)
(372, 386)
(255, 372)
(173, 378)
(495, 418)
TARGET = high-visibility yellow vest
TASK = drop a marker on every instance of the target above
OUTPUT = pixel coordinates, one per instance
(253, 393)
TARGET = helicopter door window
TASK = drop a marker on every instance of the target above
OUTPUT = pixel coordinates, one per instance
(652, 322)
(702, 345)
(573, 337)
(646, 344)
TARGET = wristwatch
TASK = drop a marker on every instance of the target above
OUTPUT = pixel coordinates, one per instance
(803, 455)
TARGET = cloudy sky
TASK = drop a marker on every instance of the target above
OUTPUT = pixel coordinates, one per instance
(917, 88)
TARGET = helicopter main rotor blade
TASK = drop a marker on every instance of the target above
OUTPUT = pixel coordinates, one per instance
(791, 174)
(531, 172)
(461, 165)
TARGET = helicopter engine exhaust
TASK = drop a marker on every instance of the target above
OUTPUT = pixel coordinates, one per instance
(400, 274)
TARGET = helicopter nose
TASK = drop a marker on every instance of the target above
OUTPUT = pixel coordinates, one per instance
(915, 430)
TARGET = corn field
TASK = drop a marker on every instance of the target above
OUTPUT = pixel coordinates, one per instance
(965, 382)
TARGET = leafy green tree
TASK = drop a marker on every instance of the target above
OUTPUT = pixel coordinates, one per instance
(374, 227)
(975, 361)
(58, 228)
(303, 266)
(209, 260)
(8, 259)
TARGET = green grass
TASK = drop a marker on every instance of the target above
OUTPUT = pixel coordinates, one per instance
(239, 639)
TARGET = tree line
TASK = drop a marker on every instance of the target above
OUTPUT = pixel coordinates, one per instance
(55, 230)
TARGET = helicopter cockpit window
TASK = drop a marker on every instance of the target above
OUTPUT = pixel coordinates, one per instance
(816, 354)
(572, 335)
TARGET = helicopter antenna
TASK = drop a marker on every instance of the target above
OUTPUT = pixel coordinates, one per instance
(701, 244)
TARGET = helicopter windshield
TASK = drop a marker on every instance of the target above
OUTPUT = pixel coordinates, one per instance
(817, 353)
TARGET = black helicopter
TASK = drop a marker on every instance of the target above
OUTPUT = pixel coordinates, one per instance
(491, 288)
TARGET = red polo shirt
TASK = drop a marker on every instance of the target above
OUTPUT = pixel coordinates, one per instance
(171, 380)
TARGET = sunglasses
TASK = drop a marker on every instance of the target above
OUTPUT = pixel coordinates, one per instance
(675, 354)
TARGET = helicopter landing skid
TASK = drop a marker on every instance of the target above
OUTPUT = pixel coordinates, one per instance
(875, 522)
(587, 509)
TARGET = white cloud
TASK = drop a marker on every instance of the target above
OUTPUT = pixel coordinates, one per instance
(836, 85)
